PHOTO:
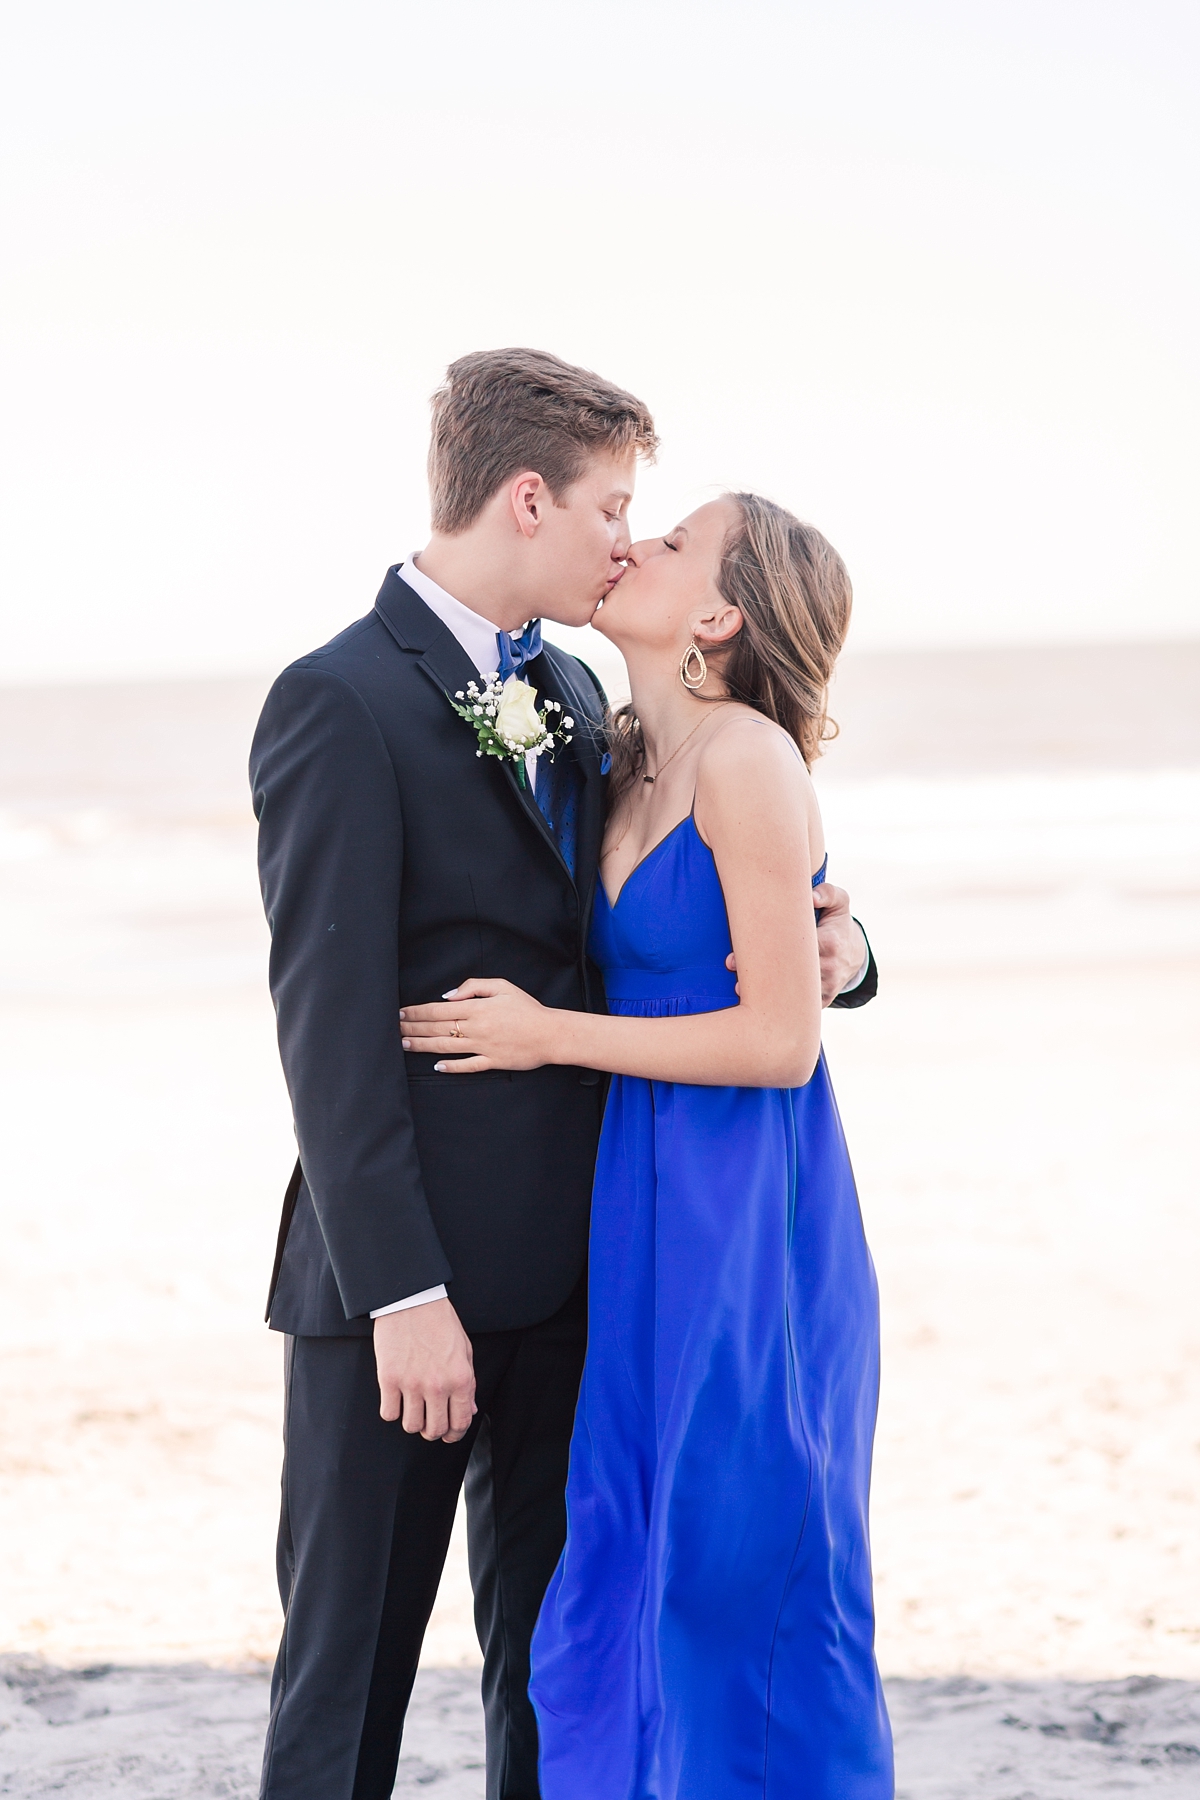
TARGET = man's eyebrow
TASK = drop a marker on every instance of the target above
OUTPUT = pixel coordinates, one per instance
(620, 494)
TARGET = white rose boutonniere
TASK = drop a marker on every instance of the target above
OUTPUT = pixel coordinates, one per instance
(505, 718)
(517, 718)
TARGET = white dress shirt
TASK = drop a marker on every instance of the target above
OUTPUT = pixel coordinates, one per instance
(478, 638)
(476, 634)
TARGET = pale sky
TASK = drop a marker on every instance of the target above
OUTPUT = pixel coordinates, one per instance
(927, 273)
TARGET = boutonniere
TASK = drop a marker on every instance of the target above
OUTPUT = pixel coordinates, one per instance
(505, 718)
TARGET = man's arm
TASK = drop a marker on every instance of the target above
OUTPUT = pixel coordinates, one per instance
(865, 987)
(849, 976)
(330, 861)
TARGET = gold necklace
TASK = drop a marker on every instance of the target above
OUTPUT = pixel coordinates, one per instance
(651, 779)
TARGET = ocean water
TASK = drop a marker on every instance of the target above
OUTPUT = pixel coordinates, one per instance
(1020, 1104)
(1021, 871)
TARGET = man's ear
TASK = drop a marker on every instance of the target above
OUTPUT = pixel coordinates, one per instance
(528, 498)
(716, 625)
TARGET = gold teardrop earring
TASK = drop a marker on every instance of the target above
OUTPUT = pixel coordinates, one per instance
(687, 673)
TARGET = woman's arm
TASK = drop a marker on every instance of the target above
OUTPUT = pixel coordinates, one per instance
(755, 808)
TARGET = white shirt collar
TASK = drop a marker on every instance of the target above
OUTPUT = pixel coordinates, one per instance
(476, 634)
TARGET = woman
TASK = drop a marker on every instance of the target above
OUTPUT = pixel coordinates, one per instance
(709, 1629)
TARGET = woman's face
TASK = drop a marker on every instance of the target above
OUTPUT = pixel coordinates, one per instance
(668, 593)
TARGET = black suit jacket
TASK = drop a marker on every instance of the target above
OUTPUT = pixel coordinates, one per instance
(396, 863)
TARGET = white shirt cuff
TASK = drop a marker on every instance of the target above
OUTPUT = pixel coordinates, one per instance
(421, 1299)
(858, 979)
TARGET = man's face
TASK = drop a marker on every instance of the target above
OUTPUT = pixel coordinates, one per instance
(581, 542)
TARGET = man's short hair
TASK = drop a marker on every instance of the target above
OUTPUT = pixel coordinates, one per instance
(501, 411)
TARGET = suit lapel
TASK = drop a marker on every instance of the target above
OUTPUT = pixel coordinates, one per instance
(528, 803)
(450, 668)
(566, 683)
(443, 659)
(447, 665)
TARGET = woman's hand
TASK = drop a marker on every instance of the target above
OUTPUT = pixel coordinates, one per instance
(483, 1025)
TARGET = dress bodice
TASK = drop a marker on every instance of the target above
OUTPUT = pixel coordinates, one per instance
(666, 937)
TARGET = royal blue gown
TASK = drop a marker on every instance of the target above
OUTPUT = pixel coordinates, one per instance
(708, 1634)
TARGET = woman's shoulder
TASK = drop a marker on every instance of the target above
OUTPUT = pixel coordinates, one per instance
(746, 744)
(750, 755)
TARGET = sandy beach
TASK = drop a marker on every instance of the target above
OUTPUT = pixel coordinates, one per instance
(1020, 1104)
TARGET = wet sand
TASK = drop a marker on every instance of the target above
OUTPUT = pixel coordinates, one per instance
(1020, 1106)
(195, 1732)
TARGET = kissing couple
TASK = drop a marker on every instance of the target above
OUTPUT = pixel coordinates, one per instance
(573, 1221)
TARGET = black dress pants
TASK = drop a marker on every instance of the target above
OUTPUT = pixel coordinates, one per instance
(364, 1528)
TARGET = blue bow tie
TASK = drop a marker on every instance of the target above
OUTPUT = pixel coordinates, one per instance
(514, 653)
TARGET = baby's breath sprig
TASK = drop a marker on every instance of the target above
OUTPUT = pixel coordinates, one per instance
(507, 723)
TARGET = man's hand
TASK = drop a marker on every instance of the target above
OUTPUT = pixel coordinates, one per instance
(840, 941)
(426, 1371)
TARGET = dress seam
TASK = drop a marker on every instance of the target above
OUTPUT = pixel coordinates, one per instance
(502, 1780)
(795, 1387)
(285, 1498)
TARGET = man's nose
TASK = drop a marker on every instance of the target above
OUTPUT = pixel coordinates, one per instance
(620, 549)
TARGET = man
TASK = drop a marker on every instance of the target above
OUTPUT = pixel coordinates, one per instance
(430, 1271)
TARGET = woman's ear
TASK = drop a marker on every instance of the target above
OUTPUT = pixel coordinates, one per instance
(716, 625)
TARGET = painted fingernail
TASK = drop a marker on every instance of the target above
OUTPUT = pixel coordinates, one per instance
(406, 1043)
(439, 1068)
(452, 995)
(401, 1012)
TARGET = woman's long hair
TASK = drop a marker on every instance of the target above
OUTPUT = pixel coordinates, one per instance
(794, 595)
